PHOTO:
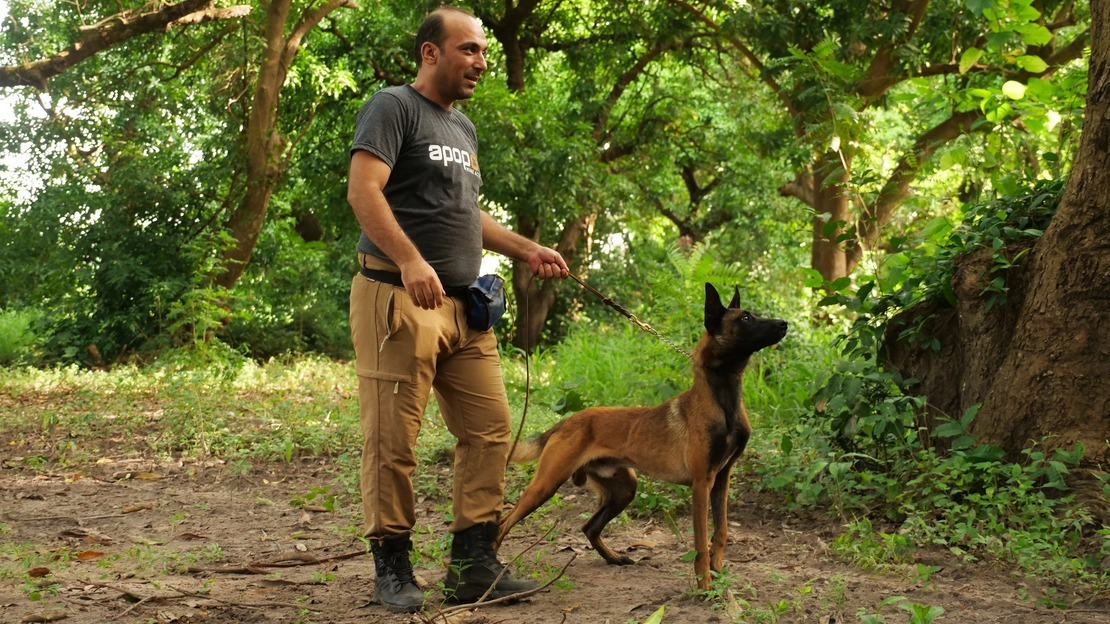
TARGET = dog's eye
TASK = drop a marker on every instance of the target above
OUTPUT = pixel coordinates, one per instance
(747, 316)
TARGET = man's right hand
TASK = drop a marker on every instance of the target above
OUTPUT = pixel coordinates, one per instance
(422, 284)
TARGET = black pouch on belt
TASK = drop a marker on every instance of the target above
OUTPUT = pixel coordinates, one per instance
(484, 297)
(485, 302)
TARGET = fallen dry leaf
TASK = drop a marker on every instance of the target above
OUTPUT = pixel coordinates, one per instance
(138, 507)
(89, 555)
(38, 572)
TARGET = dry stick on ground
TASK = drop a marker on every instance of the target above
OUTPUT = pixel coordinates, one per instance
(79, 519)
(443, 613)
(256, 567)
(141, 600)
(136, 606)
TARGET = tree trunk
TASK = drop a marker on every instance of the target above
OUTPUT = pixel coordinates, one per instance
(1053, 378)
(266, 149)
(1040, 366)
(827, 194)
(262, 148)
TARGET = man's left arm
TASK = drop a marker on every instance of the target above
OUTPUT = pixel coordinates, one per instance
(546, 263)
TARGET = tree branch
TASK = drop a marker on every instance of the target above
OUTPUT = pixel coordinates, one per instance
(880, 77)
(897, 187)
(309, 20)
(626, 79)
(756, 67)
(213, 14)
(113, 31)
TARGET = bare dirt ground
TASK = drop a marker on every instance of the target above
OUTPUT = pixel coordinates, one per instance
(131, 540)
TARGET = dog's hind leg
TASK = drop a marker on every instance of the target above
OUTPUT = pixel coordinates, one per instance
(615, 493)
(552, 471)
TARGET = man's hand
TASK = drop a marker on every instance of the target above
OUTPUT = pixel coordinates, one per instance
(546, 263)
(422, 284)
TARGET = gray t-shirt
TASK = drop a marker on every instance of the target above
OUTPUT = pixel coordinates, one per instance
(434, 183)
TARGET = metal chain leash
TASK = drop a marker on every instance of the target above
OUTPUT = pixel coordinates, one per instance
(630, 316)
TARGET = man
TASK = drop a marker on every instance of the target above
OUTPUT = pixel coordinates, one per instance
(413, 186)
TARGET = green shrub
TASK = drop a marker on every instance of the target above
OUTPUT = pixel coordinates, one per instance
(865, 450)
(19, 341)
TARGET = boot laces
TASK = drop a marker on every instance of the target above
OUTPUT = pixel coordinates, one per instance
(401, 568)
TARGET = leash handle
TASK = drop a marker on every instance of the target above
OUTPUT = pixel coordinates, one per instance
(630, 316)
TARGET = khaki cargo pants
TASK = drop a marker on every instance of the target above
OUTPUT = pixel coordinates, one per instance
(402, 354)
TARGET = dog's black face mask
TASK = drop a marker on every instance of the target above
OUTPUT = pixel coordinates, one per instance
(739, 331)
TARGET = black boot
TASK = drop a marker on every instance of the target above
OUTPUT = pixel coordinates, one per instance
(474, 567)
(395, 584)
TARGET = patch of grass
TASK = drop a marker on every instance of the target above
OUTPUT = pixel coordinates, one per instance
(245, 413)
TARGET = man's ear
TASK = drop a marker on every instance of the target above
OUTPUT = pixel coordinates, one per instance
(429, 53)
(714, 310)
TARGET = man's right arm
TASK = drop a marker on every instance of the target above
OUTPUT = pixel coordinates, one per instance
(368, 177)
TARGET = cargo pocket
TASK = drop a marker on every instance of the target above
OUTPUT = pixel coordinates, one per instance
(383, 347)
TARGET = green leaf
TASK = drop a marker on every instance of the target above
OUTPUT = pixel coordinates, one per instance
(1013, 90)
(813, 278)
(969, 58)
(978, 6)
(1029, 63)
(1034, 34)
(949, 429)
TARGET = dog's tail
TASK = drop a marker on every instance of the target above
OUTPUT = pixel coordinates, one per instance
(530, 449)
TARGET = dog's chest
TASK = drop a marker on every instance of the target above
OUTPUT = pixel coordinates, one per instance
(727, 439)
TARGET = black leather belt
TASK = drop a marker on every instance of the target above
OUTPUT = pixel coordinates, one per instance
(394, 279)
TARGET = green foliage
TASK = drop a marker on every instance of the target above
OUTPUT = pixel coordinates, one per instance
(866, 446)
(919, 613)
(19, 339)
(293, 298)
(1005, 226)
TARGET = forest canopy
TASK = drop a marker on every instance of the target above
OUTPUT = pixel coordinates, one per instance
(175, 171)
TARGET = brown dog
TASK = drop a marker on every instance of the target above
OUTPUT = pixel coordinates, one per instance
(692, 439)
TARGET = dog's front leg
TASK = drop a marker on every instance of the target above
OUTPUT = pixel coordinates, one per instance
(701, 530)
(718, 499)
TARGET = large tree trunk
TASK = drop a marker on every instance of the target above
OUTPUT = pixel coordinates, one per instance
(824, 188)
(266, 149)
(1040, 366)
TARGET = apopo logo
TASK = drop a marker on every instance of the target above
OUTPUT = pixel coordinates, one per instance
(447, 155)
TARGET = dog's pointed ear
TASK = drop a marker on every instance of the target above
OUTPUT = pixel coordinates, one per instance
(735, 303)
(714, 309)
